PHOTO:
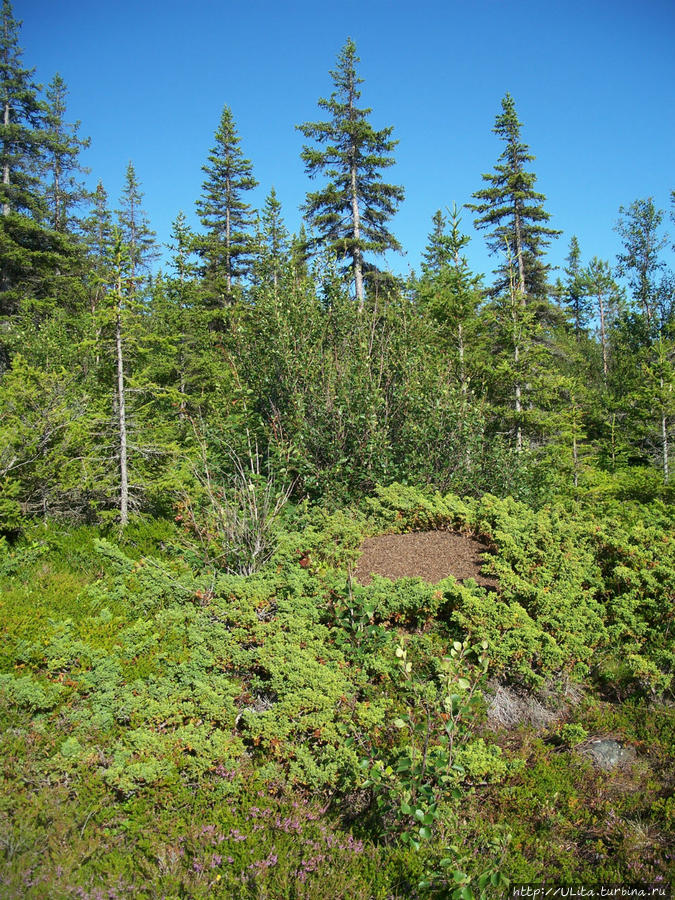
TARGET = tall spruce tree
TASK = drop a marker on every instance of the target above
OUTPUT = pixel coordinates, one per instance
(513, 213)
(63, 172)
(228, 219)
(23, 124)
(36, 262)
(350, 213)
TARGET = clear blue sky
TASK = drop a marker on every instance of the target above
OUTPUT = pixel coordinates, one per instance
(593, 82)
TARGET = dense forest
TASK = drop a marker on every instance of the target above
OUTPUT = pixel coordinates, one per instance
(198, 697)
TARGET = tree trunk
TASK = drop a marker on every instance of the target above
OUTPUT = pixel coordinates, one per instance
(665, 448)
(575, 458)
(519, 257)
(57, 201)
(5, 168)
(121, 412)
(358, 263)
(603, 337)
(228, 263)
(460, 349)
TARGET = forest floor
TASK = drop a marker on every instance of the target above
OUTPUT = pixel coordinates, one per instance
(430, 555)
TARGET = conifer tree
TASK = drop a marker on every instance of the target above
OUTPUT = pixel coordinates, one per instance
(272, 242)
(178, 311)
(134, 225)
(97, 235)
(36, 262)
(513, 213)
(574, 289)
(227, 217)
(63, 186)
(437, 254)
(350, 213)
(23, 124)
(600, 287)
(448, 288)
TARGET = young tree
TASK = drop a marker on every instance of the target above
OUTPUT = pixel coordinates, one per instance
(350, 213)
(96, 230)
(448, 288)
(227, 246)
(599, 285)
(272, 243)
(513, 212)
(438, 253)
(177, 314)
(574, 289)
(135, 230)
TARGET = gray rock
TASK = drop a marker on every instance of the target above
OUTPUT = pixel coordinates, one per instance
(607, 753)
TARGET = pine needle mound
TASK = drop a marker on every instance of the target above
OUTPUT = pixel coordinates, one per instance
(429, 555)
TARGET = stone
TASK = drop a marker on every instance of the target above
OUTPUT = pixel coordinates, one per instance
(608, 754)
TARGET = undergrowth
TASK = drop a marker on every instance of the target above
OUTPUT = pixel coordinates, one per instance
(172, 730)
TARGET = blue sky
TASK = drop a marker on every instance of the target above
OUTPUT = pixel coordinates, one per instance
(593, 84)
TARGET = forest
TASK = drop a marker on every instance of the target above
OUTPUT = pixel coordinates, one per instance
(199, 694)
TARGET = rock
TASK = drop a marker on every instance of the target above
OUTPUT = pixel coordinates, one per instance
(607, 753)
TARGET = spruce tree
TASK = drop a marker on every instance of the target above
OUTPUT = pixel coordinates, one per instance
(449, 290)
(600, 288)
(513, 213)
(227, 217)
(23, 124)
(350, 213)
(37, 264)
(272, 243)
(134, 225)
(97, 236)
(438, 253)
(64, 189)
(574, 290)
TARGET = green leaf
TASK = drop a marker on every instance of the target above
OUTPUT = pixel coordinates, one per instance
(425, 833)
(399, 723)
